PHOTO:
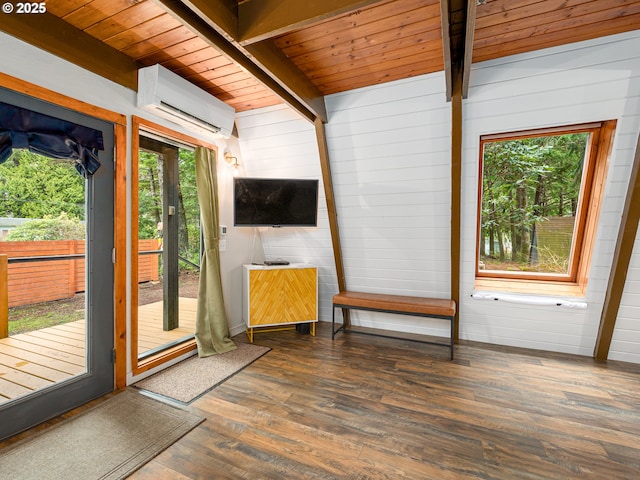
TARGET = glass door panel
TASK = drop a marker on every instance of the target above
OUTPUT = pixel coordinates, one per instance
(44, 241)
(56, 327)
(169, 246)
(189, 240)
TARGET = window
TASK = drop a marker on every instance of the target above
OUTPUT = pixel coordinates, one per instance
(540, 194)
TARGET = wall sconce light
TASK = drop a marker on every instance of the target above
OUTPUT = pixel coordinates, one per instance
(231, 160)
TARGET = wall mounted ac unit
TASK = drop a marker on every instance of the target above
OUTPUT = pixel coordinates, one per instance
(172, 97)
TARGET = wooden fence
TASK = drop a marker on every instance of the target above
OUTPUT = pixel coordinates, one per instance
(36, 282)
(4, 298)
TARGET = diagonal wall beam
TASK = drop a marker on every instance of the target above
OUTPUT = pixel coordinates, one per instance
(621, 257)
(327, 180)
(332, 211)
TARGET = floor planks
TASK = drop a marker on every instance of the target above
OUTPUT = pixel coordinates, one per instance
(363, 407)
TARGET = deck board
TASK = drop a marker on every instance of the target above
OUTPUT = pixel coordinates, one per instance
(31, 368)
(23, 379)
(54, 339)
(49, 348)
(70, 337)
(20, 358)
(12, 390)
(35, 360)
(150, 333)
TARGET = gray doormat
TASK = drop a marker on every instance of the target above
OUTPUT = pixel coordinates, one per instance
(193, 377)
(108, 441)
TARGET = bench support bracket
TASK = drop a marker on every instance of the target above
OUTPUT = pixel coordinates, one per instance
(379, 333)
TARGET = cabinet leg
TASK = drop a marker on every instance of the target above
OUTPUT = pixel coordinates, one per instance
(250, 334)
(313, 329)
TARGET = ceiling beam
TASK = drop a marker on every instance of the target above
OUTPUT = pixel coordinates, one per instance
(446, 48)
(263, 19)
(458, 19)
(467, 54)
(59, 38)
(222, 15)
(275, 62)
(274, 70)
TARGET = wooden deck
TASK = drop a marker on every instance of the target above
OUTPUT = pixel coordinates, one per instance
(150, 333)
(38, 359)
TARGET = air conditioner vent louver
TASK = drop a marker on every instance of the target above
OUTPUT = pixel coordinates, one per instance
(187, 117)
(172, 97)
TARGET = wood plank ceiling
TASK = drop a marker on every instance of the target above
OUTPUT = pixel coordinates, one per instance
(256, 53)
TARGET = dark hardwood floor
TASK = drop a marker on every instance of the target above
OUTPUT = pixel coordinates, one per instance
(364, 407)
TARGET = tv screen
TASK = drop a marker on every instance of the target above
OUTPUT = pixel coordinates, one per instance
(275, 202)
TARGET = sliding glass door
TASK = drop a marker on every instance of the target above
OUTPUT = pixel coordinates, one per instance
(56, 245)
(168, 246)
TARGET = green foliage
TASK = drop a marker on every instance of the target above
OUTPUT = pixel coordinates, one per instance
(149, 196)
(150, 186)
(34, 186)
(189, 234)
(60, 228)
(27, 318)
(526, 181)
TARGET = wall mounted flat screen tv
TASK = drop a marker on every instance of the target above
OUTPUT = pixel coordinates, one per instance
(275, 202)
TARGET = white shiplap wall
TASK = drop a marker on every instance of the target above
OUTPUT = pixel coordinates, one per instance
(389, 147)
(588, 81)
(390, 152)
(276, 142)
(390, 157)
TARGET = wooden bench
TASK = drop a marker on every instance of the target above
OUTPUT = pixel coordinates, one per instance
(400, 304)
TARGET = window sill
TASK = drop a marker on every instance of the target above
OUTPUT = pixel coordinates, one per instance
(543, 294)
(530, 287)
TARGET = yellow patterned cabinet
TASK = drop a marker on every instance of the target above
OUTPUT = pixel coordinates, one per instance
(279, 296)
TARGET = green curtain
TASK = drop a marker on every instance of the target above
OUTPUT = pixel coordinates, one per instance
(212, 329)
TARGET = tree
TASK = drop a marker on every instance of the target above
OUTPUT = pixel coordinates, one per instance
(150, 187)
(149, 196)
(509, 167)
(189, 207)
(35, 186)
(60, 228)
(526, 181)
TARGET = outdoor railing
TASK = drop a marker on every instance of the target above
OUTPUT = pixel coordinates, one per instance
(4, 296)
(29, 277)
